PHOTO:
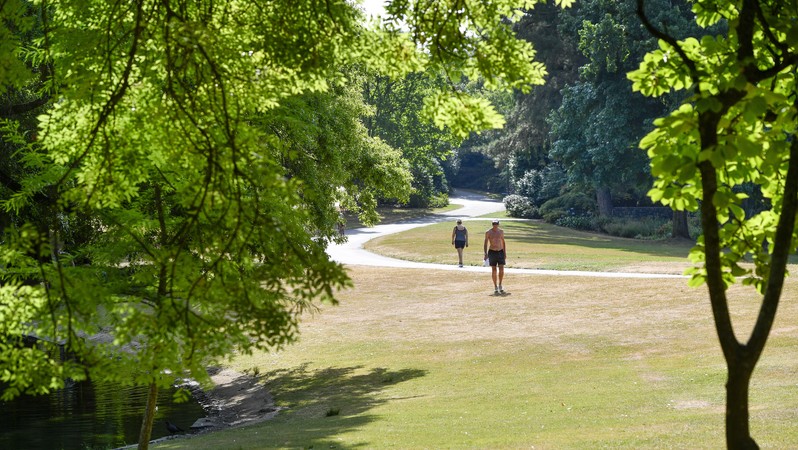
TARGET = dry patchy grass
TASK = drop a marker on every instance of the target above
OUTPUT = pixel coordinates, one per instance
(419, 359)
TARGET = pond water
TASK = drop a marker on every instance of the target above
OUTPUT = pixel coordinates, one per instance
(88, 416)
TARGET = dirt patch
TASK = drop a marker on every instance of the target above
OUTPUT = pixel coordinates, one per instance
(691, 404)
(236, 399)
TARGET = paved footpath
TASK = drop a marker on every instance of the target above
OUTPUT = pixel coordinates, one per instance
(474, 205)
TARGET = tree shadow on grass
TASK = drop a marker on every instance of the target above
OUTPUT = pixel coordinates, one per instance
(320, 404)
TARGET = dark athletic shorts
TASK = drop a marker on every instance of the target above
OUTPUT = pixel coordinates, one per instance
(496, 257)
(459, 244)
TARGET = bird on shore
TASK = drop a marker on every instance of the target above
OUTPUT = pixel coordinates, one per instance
(172, 428)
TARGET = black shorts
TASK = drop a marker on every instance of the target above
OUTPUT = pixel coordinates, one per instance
(459, 244)
(496, 257)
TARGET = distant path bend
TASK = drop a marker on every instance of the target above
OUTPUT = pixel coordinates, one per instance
(352, 252)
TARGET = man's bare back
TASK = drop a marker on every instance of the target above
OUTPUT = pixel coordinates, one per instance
(495, 238)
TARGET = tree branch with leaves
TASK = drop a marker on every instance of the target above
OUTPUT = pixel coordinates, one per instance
(739, 126)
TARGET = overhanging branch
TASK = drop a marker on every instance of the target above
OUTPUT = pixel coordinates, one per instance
(694, 75)
(9, 111)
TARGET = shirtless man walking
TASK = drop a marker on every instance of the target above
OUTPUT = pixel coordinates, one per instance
(496, 254)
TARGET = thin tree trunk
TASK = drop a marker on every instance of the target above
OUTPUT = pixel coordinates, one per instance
(604, 199)
(152, 396)
(679, 228)
(149, 418)
(738, 433)
(741, 359)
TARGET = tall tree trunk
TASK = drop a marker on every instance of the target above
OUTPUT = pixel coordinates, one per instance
(149, 418)
(680, 229)
(604, 199)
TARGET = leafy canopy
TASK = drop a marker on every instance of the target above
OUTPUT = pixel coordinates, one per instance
(752, 102)
(181, 175)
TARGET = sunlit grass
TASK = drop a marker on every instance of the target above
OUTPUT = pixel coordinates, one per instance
(415, 359)
(538, 245)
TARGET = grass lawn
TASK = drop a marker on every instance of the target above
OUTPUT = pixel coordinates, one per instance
(414, 359)
(539, 245)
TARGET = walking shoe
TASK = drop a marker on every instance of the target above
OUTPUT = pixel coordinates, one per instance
(496, 292)
(501, 290)
(461, 265)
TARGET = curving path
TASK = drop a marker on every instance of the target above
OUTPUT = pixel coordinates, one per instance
(474, 205)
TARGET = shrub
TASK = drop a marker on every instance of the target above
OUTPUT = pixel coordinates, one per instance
(529, 184)
(644, 228)
(428, 200)
(439, 200)
(647, 228)
(519, 206)
(569, 204)
(541, 185)
(553, 216)
(580, 222)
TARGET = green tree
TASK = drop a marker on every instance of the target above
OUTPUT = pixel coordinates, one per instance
(738, 126)
(462, 34)
(319, 138)
(592, 135)
(397, 119)
(524, 144)
(193, 141)
(595, 131)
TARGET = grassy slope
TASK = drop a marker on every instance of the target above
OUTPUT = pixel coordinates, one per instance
(416, 359)
(538, 245)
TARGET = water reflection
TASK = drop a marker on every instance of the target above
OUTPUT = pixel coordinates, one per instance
(88, 416)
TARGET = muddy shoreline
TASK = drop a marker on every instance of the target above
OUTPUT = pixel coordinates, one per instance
(236, 399)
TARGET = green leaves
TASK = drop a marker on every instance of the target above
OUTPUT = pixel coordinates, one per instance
(462, 114)
(710, 13)
(14, 73)
(739, 126)
(472, 39)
